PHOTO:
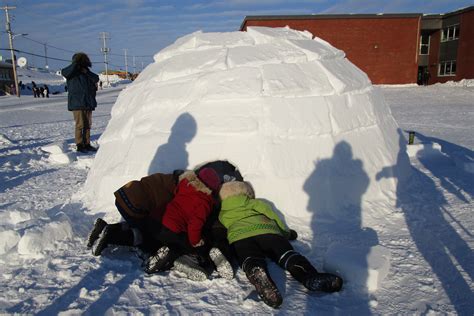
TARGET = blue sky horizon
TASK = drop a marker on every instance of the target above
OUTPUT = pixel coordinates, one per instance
(144, 27)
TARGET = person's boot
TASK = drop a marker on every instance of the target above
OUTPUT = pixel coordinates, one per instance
(305, 273)
(81, 148)
(223, 267)
(89, 147)
(162, 260)
(99, 226)
(259, 277)
(323, 282)
(113, 234)
(189, 266)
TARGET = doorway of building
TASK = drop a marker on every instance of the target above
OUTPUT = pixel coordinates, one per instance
(423, 75)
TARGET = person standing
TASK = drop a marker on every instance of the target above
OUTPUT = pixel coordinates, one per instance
(46, 90)
(34, 88)
(82, 87)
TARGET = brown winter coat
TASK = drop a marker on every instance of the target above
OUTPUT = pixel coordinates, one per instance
(148, 196)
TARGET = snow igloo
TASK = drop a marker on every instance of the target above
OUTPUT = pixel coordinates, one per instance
(300, 121)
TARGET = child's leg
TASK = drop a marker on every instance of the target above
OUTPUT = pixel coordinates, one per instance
(175, 245)
(143, 230)
(252, 261)
(279, 249)
(118, 234)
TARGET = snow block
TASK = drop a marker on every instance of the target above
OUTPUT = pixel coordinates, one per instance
(4, 140)
(8, 240)
(424, 149)
(40, 238)
(360, 267)
(58, 154)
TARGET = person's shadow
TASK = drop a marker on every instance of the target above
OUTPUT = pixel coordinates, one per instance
(453, 179)
(440, 245)
(335, 190)
(173, 154)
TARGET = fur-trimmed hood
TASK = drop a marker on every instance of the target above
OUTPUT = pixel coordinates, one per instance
(234, 188)
(194, 181)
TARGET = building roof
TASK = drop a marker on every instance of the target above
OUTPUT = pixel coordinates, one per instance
(351, 16)
(329, 16)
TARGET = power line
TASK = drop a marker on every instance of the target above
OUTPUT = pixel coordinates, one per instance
(26, 10)
(38, 55)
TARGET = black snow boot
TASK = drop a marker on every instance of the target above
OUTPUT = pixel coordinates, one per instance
(305, 273)
(99, 226)
(118, 234)
(323, 282)
(161, 260)
(258, 275)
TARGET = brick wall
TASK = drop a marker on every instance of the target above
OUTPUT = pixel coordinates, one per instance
(465, 59)
(385, 48)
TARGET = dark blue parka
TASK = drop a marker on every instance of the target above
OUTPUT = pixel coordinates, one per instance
(81, 86)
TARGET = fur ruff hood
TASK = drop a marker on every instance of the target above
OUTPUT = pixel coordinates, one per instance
(194, 181)
(234, 188)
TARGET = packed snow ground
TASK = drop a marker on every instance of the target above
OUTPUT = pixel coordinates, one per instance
(428, 234)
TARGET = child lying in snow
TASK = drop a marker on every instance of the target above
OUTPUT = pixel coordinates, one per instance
(183, 222)
(142, 204)
(255, 232)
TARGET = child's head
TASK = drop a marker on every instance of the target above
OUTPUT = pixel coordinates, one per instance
(210, 178)
(235, 188)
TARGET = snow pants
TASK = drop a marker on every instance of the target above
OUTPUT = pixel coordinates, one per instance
(252, 252)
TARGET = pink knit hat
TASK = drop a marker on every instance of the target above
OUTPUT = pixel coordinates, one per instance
(210, 178)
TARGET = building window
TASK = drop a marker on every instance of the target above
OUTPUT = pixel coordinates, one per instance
(447, 68)
(425, 44)
(450, 33)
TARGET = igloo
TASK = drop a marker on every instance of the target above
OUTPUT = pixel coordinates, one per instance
(302, 123)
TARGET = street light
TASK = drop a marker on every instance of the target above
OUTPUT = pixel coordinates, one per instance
(15, 35)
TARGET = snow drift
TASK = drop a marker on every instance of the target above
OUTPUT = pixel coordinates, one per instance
(303, 124)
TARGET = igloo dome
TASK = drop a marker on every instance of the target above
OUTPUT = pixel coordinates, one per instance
(300, 121)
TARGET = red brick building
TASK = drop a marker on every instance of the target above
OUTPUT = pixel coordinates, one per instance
(394, 48)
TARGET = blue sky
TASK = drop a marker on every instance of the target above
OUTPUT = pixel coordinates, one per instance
(143, 27)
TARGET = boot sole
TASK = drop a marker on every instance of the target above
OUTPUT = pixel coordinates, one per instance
(99, 226)
(192, 273)
(159, 261)
(101, 243)
(224, 268)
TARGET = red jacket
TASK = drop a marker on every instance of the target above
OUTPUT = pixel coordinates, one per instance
(189, 209)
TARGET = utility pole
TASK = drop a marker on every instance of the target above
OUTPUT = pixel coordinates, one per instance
(126, 63)
(10, 39)
(134, 68)
(105, 50)
(46, 55)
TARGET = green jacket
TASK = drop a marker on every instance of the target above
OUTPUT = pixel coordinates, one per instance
(245, 217)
